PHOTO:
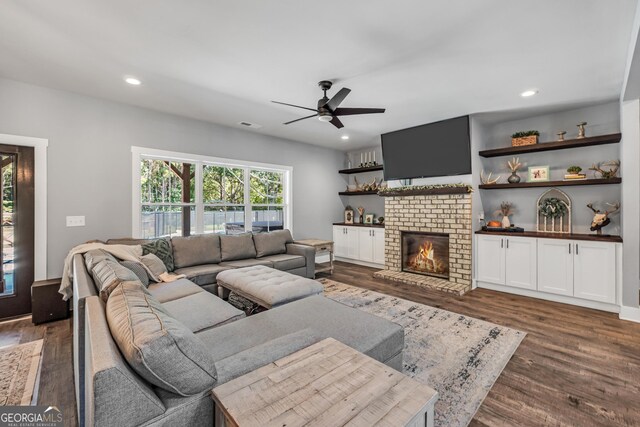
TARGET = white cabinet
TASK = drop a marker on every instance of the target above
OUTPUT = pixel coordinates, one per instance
(594, 271)
(364, 244)
(555, 266)
(378, 245)
(490, 259)
(581, 272)
(520, 262)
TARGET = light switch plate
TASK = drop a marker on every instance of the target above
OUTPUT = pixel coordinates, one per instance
(75, 221)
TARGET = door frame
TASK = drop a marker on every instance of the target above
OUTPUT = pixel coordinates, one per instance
(40, 197)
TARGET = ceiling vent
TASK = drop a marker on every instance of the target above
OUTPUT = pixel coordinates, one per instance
(250, 125)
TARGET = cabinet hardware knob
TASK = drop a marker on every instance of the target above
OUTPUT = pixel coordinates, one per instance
(507, 243)
(502, 243)
(577, 250)
(569, 247)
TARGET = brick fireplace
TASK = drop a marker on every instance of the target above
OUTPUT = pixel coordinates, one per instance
(428, 237)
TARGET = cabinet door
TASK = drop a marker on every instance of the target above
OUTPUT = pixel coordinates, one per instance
(555, 266)
(353, 249)
(365, 244)
(340, 240)
(521, 263)
(594, 271)
(490, 259)
(378, 245)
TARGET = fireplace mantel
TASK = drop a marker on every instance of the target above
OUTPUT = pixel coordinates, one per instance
(429, 190)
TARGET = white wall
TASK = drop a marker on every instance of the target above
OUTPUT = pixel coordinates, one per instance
(89, 161)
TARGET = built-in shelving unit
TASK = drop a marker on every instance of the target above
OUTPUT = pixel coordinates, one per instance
(357, 193)
(357, 224)
(552, 184)
(361, 170)
(613, 138)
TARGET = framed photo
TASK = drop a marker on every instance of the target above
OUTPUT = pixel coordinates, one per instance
(368, 219)
(538, 173)
(348, 216)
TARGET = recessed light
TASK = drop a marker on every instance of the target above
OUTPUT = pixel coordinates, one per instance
(528, 93)
(344, 137)
(133, 81)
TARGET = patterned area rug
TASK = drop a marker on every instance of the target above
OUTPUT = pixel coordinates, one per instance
(460, 357)
(19, 366)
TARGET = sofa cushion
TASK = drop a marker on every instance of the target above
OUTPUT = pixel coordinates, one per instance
(155, 266)
(162, 249)
(202, 274)
(241, 263)
(285, 261)
(108, 274)
(165, 292)
(129, 241)
(372, 335)
(237, 246)
(272, 243)
(158, 347)
(196, 250)
(202, 311)
(94, 256)
(139, 270)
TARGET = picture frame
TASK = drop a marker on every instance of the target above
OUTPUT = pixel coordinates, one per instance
(368, 218)
(348, 216)
(538, 174)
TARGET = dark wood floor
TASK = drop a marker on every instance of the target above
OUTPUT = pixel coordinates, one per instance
(576, 367)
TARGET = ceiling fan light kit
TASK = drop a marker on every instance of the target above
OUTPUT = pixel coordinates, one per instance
(328, 111)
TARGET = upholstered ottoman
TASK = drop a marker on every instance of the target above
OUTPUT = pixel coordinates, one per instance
(266, 286)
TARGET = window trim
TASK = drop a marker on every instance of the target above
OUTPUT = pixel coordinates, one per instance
(138, 153)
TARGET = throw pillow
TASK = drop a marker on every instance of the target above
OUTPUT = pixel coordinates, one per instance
(94, 256)
(139, 270)
(158, 347)
(162, 249)
(108, 274)
(154, 265)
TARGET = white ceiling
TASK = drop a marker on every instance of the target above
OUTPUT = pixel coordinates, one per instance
(223, 61)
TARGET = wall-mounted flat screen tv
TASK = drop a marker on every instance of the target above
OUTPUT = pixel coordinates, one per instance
(436, 149)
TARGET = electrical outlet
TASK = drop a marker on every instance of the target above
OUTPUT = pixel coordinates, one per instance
(75, 221)
(481, 217)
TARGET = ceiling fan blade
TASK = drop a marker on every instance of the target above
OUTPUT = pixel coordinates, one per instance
(297, 120)
(336, 122)
(297, 106)
(353, 111)
(337, 99)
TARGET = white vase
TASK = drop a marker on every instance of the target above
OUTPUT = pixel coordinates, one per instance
(505, 222)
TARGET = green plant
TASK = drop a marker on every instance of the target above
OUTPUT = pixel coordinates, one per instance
(553, 208)
(525, 133)
(574, 169)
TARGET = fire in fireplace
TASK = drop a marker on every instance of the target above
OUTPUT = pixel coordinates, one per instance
(425, 253)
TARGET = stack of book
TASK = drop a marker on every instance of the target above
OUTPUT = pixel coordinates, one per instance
(575, 176)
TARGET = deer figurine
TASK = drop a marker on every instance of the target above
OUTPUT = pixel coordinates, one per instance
(601, 219)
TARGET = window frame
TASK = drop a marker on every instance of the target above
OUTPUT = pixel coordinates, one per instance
(140, 153)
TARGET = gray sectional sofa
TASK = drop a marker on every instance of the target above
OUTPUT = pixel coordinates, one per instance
(129, 373)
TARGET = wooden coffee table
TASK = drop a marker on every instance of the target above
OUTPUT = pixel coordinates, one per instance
(326, 384)
(320, 246)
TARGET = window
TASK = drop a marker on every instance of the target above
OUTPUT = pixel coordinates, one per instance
(177, 195)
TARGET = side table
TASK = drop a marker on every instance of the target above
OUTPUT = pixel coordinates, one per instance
(320, 247)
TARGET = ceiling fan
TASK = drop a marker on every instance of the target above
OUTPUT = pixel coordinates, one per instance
(328, 109)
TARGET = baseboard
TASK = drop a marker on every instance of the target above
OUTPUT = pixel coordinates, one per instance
(613, 308)
(631, 314)
(365, 263)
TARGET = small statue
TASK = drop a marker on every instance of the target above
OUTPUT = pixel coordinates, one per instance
(601, 219)
(561, 135)
(612, 172)
(361, 212)
(581, 133)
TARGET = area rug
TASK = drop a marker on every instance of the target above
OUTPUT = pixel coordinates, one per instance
(459, 356)
(19, 366)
